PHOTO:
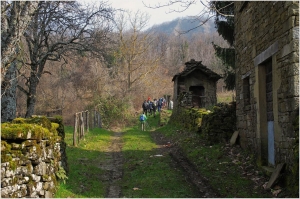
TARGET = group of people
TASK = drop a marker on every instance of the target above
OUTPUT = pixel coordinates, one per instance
(150, 107)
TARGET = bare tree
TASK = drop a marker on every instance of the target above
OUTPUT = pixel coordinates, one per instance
(223, 14)
(59, 28)
(134, 56)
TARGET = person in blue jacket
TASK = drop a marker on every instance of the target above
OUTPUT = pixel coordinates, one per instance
(143, 119)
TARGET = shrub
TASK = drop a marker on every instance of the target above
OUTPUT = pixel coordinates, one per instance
(114, 111)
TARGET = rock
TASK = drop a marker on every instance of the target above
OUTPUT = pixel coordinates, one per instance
(9, 173)
(275, 175)
(39, 186)
(48, 194)
(233, 138)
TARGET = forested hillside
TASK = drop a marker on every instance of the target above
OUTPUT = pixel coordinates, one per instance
(130, 64)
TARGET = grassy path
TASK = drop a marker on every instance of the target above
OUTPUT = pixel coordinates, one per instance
(88, 172)
(149, 173)
(98, 167)
(139, 164)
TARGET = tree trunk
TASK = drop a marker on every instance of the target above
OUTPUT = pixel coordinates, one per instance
(8, 94)
(13, 23)
(31, 97)
(129, 76)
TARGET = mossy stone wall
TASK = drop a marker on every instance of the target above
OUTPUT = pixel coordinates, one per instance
(220, 124)
(189, 118)
(215, 126)
(32, 152)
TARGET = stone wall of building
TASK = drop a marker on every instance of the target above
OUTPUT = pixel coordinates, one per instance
(267, 32)
(210, 87)
(32, 153)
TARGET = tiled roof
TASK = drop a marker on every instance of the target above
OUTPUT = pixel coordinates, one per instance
(197, 65)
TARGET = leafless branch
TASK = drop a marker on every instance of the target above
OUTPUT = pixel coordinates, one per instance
(184, 5)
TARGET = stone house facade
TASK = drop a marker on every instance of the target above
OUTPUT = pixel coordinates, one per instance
(197, 83)
(267, 77)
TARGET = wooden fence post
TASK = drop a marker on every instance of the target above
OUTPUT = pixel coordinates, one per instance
(95, 115)
(87, 121)
(99, 120)
(75, 129)
(81, 125)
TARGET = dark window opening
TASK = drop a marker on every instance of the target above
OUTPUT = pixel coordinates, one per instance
(246, 90)
(198, 96)
(269, 91)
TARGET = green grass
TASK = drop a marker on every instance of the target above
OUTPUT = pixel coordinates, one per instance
(213, 165)
(146, 175)
(225, 97)
(153, 176)
(84, 178)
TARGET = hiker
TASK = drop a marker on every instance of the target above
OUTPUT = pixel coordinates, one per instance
(163, 102)
(150, 107)
(145, 107)
(143, 119)
(159, 105)
(154, 107)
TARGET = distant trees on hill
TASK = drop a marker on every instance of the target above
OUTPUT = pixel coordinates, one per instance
(66, 64)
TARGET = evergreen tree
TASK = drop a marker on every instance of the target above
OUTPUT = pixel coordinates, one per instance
(224, 21)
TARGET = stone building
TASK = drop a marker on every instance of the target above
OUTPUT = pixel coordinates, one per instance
(197, 83)
(267, 77)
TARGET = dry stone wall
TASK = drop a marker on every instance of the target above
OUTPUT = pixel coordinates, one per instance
(219, 125)
(32, 154)
(216, 126)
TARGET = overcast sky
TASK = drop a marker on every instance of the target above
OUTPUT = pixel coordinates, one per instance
(159, 15)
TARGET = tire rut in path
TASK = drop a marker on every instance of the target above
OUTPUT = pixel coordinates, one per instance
(115, 164)
(193, 176)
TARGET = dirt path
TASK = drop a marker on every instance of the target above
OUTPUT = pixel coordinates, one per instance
(114, 166)
(191, 173)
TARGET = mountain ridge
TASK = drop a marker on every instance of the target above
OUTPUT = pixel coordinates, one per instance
(184, 24)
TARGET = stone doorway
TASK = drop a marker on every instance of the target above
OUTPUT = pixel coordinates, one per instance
(270, 115)
(198, 96)
(265, 113)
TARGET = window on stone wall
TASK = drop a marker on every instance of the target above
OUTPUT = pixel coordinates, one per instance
(246, 90)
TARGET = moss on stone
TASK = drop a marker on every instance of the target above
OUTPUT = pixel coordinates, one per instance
(189, 118)
(16, 153)
(5, 147)
(5, 157)
(54, 126)
(41, 120)
(60, 129)
(19, 120)
(23, 131)
(12, 165)
(218, 126)
(29, 138)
